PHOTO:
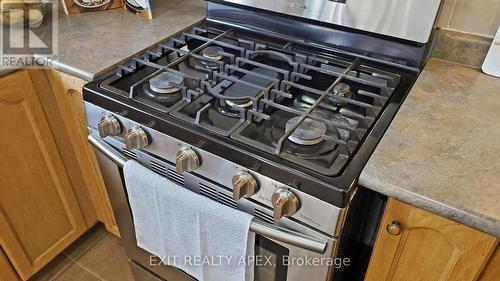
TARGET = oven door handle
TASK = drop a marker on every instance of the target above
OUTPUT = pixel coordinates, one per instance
(108, 151)
(259, 227)
(287, 236)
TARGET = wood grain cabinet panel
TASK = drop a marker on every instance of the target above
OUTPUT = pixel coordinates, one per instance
(7, 273)
(39, 215)
(428, 248)
(492, 270)
(68, 95)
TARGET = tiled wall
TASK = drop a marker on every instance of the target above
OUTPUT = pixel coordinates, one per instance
(480, 17)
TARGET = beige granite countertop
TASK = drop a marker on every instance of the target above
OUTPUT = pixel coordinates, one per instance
(442, 151)
(93, 43)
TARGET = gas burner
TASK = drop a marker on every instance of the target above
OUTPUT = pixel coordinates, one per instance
(341, 90)
(244, 105)
(314, 144)
(240, 90)
(164, 88)
(231, 108)
(213, 52)
(227, 110)
(166, 83)
(163, 99)
(309, 132)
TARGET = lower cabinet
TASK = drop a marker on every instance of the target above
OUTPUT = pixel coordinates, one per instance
(39, 213)
(492, 269)
(68, 95)
(7, 273)
(414, 244)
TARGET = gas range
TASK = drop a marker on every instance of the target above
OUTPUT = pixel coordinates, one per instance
(268, 110)
(276, 95)
(278, 103)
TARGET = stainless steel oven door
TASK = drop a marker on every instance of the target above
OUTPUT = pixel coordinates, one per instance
(288, 252)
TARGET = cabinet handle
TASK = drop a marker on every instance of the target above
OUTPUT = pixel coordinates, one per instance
(394, 228)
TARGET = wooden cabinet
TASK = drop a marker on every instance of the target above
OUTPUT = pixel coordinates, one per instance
(62, 99)
(428, 247)
(492, 270)
(7, 273)
(39, 214)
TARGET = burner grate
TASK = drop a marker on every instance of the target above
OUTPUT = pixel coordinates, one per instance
(283, 79)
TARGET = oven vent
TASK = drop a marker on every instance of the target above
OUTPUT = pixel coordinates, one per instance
(227, 200)
(263, 216)
(176, 177)
(130, 153)
(217, 196)
(159, 169)
(208, 192)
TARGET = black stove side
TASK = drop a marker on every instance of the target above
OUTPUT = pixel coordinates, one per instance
(359, 234)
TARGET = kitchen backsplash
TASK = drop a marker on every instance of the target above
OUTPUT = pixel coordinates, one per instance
(481, 17)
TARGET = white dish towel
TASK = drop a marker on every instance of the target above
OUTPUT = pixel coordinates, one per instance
(206, 239)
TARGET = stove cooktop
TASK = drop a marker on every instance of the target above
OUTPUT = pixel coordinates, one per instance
(282, 102)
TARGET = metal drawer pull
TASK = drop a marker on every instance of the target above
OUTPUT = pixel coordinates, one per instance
(257, 226)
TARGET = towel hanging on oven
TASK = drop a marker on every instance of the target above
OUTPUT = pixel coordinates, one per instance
(207, 240)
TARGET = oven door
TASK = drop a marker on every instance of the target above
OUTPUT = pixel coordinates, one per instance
(289, 252)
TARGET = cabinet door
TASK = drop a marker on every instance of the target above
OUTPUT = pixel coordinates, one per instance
(7, 273)
(492, 269)
(39, 215)
(70, 98)
(428, 247)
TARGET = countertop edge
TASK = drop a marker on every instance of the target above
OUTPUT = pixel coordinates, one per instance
(73, 71)
(86, 76)
(5, 72)
(487, 225)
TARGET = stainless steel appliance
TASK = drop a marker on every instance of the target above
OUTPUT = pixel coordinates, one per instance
(273, 108)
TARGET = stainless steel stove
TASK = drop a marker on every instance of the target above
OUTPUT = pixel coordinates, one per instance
(270, 107)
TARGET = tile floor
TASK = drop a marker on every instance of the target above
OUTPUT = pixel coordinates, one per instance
(96, 256)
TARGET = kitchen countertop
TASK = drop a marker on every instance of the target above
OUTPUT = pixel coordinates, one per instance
(442, 151)
(93, 43)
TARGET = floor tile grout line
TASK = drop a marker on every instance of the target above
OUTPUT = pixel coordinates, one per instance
(75, 255)
(87, 249)
(88, 270)
(70, 256)
(59, 272)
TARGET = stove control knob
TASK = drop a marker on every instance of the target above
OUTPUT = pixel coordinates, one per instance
(136, 138)
(186, 160)
(285, 203)
(244, 185)
(109, 126)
